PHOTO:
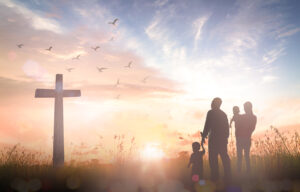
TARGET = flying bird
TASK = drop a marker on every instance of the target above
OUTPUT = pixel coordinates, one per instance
(95, 48)
(20, 45)
(69, 69)
(129, 65)
(100, 69)
(181, 138)
(111, 39)
(114, 22)
(145, 79)
(77, 57)
(49, 49)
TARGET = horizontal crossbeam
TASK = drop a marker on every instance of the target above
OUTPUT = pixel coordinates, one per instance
(71, 93)
(44, 93)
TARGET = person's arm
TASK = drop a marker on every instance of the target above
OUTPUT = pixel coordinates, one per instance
(203, 149)
(206, 128)
(190, 162)
(226, 126)
(253, 124)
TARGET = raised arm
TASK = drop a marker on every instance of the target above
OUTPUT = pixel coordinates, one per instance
(203, 149)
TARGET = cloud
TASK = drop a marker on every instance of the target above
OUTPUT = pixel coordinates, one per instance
(269, 78)
(37, 22)
(22, 131)
(65, 56)
(160, 3)
(162, 36)
(233, 44)
(273, 55)
(12, 87)
(198, 25)
(156, 88)
(289, 32)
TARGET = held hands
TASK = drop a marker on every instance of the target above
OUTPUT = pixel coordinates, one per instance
(203, 139)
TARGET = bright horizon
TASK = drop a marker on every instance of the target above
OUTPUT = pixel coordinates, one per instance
(183, 55)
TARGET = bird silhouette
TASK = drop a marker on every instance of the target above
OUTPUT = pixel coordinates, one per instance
(181, 138)
(77, 57)
(145, 79)
(114, 22)
(20, 45)
(95, 48)
(111, 39)
(129, 65)
(49, 49)
(69, 69)
(100, 69)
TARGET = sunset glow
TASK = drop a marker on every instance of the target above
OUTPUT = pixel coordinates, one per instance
(152, 77)
(152, 151)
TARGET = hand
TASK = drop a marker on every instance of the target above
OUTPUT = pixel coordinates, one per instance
(202, 141)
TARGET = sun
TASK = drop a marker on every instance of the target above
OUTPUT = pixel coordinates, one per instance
(152, 151)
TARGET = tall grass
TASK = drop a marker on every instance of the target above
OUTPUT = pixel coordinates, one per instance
(274, 156)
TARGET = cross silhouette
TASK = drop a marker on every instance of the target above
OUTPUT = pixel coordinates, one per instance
(58, 94)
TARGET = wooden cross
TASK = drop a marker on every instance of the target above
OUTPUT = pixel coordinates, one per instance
(58, 93)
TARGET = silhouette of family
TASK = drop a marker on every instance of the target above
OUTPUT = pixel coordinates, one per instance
(217, 129)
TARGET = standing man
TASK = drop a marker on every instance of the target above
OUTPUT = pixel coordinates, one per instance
(243, 134)
(217, 129)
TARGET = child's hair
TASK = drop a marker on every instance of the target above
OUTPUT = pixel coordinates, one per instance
(236, 110)
(196, 146)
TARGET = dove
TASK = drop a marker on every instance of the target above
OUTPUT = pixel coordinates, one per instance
(95, 48)
(49, 49)
(77, 57)
(114, 22)
(129, 65)
(100, 69)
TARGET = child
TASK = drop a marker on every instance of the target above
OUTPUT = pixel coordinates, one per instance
(196, 161)
(236, 115)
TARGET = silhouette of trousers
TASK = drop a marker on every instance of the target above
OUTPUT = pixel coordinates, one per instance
(243, 144)
(218, 147)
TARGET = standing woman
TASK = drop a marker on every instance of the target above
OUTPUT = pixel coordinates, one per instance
(243, 134)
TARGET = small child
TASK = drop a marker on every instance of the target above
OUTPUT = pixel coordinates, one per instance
(196, 160)
(236, 115)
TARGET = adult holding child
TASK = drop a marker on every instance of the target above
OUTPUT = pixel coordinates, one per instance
(217, 129)
(245, 125)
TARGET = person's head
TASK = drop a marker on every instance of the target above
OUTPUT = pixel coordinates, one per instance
(248, 107)
(216, 103)
(236, 110)
(196, 146)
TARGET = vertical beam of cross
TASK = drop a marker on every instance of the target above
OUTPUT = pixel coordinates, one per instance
(58, 93)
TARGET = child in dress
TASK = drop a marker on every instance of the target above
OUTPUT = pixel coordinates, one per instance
(196, 160)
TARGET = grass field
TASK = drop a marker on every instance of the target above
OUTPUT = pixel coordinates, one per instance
(275, 167)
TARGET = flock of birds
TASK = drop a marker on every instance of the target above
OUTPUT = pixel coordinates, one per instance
(100, 69)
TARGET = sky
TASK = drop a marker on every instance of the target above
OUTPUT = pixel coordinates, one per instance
(183, 53)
